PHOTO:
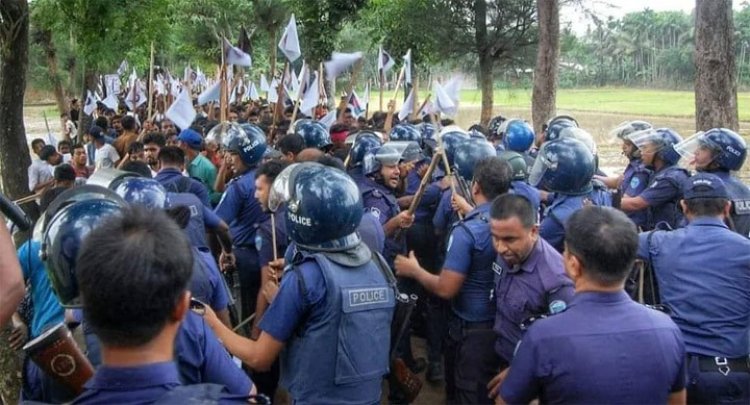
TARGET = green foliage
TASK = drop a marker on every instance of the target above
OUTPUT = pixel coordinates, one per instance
(320, 22)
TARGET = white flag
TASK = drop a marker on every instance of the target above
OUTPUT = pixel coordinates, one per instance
(123, 68)
(111, 101)
(385, 62)
(112, 84)
(211, 94)
(181, 112)
(253, 93)
(407, 68)
(356, 106)
(90, 105)
(289, 42)
(340, 62)
(273, 95)
(329, 119)
(408, 106)
(235, 56)
(175, 87)
(311, 98)
(263, 83)
(136, 96)
(443, 102)
(159, 87)
(453, 89)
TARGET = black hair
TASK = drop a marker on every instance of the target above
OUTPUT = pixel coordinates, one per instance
(706, 207)
(605, 241)
(291, 143)
(331, 161)
(171, 155)
(507, 206)
(62, 143)
(479, 128)
(155, 137)
(270, 169)
(77, 146)
(493, 175)
(135, 147)
(37, 141)
(136, 166)
(102, 122)
(129, 287)
(128, 123)
(65, 172)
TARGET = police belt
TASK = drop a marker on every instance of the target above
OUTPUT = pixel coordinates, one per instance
(723, 364)
(466, 325)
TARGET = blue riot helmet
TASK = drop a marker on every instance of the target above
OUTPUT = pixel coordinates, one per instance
(628, 127)
(659, 141)
(728, 149)
(63, 235)
(405, 133)
(427, 130)
(564, 166)
(451, 138)
(493, 128)
(468, 153)
(249, 142)
(323, 206)
(220, 132)
(314, 133)
(388, 154)
(363, 143)
(519, 169)
(517, 135)
(556, 124)
(143, 191)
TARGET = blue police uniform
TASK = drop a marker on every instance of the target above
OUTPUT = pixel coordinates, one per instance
(444, 217)
(600, 194)
(635, 179)
(239, 208)
(605, 348)
(335, 321)
(380, 202)
(147, 384)
(201, 217)
(470, 360)
(703, 274)
(371, 232)
(206, 282)
(174, 181)
(536, 287)
(527, 191)
(358, 176)
(739, 193)
(264, 238)
(663, 196)
(552, 228)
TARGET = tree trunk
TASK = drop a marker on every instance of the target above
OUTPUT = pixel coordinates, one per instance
(715, 70)
(274, 51)
(486, 63)
(14, 153)
(89, 83)
(543, 99)
(45, 40)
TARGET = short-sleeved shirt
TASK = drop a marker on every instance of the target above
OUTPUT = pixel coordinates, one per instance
(140, 384)
(531, 289)
(663, 195)
(170, 178)
(206, 283)
(703, 274)
(202, 169)
(605, 348)
(39, 172)
(444, 217)
(106, 156)
(552, 228)
(239, 208)
(47, 309)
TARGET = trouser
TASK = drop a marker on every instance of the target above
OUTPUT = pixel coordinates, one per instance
(470, 361)
(249, 271)
(712, 383)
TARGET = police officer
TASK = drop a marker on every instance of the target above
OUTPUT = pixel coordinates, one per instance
(518, 136)
(519, 177)
(333, 310)
(721, 151)
(314, 133)
(467, 280)
(171, 167)
(636, 177)
(564, 166)
(605, 348)
(239, 208)
(662, 196)
(134, 297)
(363, 143)
(706, 263)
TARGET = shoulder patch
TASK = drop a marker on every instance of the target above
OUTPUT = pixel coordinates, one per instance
(258, 242)
(374, 212)
(376, 193)
(635, 182)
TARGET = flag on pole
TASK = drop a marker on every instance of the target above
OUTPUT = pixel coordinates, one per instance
(453, 89)
(407, 68)
(329, 119)
(263, 83)
(136, 96)
(111, 101)
(339, 63)
(408, 107)
(311, 98)
(366, 98)
(235, 56)
(90, 105)
(273, 95)
(181, 112)
(211, 94)
(253, 93)
(243, 41)
(160, 88)
(289, 42)
(123, 68)
(385, 61)
(443, 102)
(112, 84)
(355, 105)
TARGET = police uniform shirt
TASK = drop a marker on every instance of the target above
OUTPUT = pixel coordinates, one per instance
(537, 287)
(120, 385)
(552, 228)
(605, 348)
(206, 283)
(169, 176)
(664, 190)
(264, 238)
(471, 254)
(703, 273)
(380, 202)
(527, 191)
(635, 179)
(372, 234)
(444, 217)
(239, 208)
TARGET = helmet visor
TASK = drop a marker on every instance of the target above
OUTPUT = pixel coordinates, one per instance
(690, 146)
(541, 165)
(646, 141)
(281, 188)
(391, 153)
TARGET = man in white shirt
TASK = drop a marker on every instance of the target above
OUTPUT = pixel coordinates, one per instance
(106, 155)
(40, 172)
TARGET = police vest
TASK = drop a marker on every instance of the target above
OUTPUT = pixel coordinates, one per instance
(670, 211)
(341, 355)
(196, 229)
(474, 301)
(375, 190)
(739, 193)
(635, 178)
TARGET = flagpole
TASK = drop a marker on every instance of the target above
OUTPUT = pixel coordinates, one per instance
(321, 87)
(382, 79)
(355, 73)
(151, 83)
(367, 106)
(392, 104)
(424, 103)
(415, 89)
(297, 101)
(277, 108)
(223, 96)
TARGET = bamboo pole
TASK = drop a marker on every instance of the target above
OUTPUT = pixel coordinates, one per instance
(151, 83)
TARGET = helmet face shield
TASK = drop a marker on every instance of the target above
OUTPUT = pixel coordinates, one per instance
(540, 167)
(280, 191)
(691, 145)
(647, 141)
(224, 133)
(625, 128)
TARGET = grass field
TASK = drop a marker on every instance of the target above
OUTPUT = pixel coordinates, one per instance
(610, 99)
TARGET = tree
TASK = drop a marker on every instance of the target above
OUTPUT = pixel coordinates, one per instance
(270, 15)
(320, 21)
(716, 73)
(548, 53)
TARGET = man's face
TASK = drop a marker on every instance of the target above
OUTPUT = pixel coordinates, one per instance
(139, 156)
(166, 126)
(512, 241)
(253, 119)
(390, 175)
(348, 118)
(703, 158)
(64, 149)
(236, 161)
(79, 156)
(648, 154)
(262, 189)
(233, 117)
(628, 148)
(117, 125)
(55, 159)
(150, 152)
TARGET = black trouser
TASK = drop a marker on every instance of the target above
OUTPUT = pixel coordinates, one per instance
(248, 269)
(470, 361)
(710, 381)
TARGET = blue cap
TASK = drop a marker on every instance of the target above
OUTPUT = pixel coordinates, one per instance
(193, 139)
(704, 185)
